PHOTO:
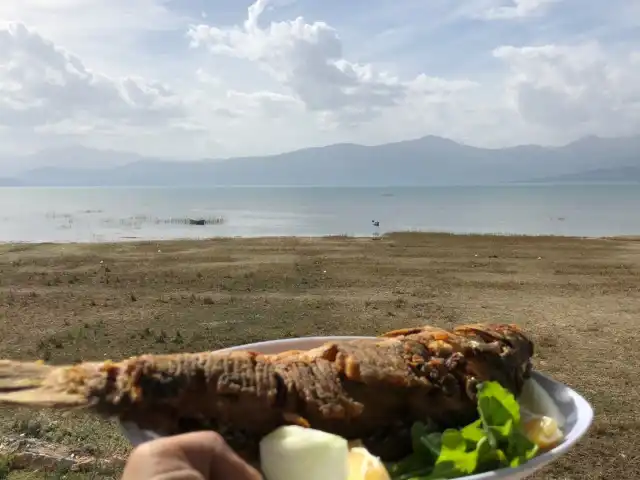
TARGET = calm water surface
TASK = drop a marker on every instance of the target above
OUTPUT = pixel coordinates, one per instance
(116, 214)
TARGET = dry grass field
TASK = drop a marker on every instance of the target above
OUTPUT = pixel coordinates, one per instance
(579, 299)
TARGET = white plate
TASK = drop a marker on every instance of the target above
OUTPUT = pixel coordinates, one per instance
(574, 407)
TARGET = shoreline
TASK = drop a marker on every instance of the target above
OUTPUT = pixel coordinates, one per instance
(267, 238)
(104, 216)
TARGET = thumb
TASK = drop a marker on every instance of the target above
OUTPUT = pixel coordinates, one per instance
(222, 462)
(201, 455)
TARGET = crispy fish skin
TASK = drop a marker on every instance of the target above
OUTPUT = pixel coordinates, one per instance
(372, 389)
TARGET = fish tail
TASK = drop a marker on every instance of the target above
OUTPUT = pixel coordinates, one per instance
(17, 376)
(35, 384)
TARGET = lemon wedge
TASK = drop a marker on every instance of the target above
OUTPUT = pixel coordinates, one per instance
(543, 431)
(365, 466)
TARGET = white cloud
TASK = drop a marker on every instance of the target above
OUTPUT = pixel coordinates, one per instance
(146, 78)
(574, 89)
(42, 84)
(307, 61)
(264, 104)
(518, 9)
(71, 20)
(108, 33)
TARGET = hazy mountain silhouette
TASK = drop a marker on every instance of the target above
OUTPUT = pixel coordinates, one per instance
(78, 157)
(425, 161)
(621, 174)
(10, 182)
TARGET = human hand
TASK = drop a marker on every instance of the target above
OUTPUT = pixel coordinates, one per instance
(191, 456)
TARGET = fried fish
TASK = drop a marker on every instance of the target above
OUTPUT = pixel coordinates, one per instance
(371, 389)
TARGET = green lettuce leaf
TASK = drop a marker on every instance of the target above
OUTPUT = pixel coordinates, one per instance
(495, 440)
(500, 414)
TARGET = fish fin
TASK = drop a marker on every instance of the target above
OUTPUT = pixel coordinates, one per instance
(403, 332)
(35, 384)
(437, 333)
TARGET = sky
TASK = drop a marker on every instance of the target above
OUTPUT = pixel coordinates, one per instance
(220, 78)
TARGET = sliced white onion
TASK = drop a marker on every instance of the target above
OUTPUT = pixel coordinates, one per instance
(296, 453)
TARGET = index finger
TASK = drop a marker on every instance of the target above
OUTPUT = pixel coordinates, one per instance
(210, 454)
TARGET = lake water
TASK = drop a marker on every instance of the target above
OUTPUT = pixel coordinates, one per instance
(117, 214)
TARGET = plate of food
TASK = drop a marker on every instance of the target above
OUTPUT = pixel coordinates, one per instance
(414, 404)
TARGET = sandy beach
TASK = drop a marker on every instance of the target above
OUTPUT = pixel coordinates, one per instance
(578, 298)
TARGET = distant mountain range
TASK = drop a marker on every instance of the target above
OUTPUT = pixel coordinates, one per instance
(10, 182)
(620, 174)
(425, 161)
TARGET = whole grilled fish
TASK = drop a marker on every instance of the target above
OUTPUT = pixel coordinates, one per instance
(368, 389)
